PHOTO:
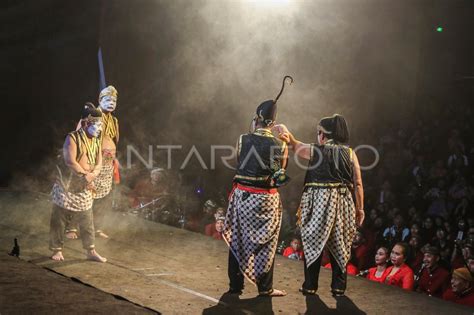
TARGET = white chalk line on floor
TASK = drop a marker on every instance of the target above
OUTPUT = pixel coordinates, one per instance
(159, 274)
(176, 286)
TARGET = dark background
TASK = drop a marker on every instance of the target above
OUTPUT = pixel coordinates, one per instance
(192, 72)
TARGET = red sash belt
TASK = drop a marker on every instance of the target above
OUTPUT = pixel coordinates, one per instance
(257, 190)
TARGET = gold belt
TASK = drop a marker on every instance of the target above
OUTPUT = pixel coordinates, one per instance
(325, 185)
(251, 177)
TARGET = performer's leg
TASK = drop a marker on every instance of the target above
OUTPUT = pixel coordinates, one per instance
(71, 226)
(100, 207)
(339, 277)
(311, 276)
(236, 277)
(265, 283)
(86, 226)
(56, 231)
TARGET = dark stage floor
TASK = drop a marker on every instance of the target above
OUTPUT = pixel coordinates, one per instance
(175, 272)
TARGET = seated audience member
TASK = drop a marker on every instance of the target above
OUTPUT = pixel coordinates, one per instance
(441, 240)
(294, 251)
(400, 274)
(374, 233)
(148, 189)
(397, 232)
(220, 213)
(458, 159)
(449, 230)
(351, 269)
(416, 253)
(461, 291)
(199, 219)
(325, 260)
(415, 230)
(379, 272)
(428, 231)
(433, 280)
(470, 264)
(360, 251)
(461, 233)
(209, 210)
(215, 229)
(462, 250)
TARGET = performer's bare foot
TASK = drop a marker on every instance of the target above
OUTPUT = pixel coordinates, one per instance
(71, 235)
(101, 234)
(275, 293)
(94, 256)
(57, 256)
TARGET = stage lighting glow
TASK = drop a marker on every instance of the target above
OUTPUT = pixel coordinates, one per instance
(439, 29)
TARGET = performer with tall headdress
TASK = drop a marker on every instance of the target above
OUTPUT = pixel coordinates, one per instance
(327, 214)
(109, 138)
(73, 189)
(254, 213)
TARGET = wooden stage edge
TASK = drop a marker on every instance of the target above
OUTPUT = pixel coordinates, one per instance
(173, 271)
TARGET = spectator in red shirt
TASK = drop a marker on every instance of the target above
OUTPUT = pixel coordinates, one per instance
(148, 189)
(400, 274)
(433, 279)
(200, 218)
(461, 291)
(294, 251)
(379, 272)
(360, 251)
(351, 269)
(215, 229)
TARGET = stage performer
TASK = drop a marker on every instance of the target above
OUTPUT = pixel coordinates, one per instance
(73, 189)
(328, 216)
(104, 181)
(254, 213)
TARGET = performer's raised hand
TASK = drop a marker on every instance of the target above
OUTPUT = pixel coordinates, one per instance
(280, 128)
(284, 137)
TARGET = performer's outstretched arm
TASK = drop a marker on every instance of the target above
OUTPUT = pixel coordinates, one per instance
(359, 191)
(303, 150)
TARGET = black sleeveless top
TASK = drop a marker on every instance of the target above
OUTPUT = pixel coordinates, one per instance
(330, 165)
(260, 154)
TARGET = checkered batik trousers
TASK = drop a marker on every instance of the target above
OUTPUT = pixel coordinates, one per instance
(103, 182)
(327, 219)
(251, 230)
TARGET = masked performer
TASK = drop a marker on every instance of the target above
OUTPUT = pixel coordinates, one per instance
(73, 189)
(104, 181)
(327, 213)
(254, 213)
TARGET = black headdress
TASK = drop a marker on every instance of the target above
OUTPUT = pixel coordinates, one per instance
(90, 112)
(267, 111)
(335, 127)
